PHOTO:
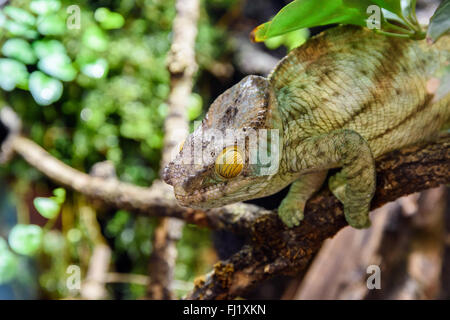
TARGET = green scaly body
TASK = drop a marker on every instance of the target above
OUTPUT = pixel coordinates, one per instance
(369, 83)
(341, 100)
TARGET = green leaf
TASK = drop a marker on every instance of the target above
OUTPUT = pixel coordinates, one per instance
(361, 5)
(47, 207)
(291, 39)
(53, 242)
(60, 195)
(13, 74)
(296, 38)
(2, 19)
(409, 19)
(275, 42)
(3, 245)
(58, 65)
(8, 266)
(308, 13)
(409, 8)
(43, 7)
(18, 29)
(96, 69)
(194, 106)
(43, 48)
(439, 22)
(74, 235)
(51, 25)
(19, 15)
(94, 38)
(25, 239)
(394, 6)
(45, 90)
(19, 49)
(109, 20)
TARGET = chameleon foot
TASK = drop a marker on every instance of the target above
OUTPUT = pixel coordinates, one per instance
(293, 205)
(291, 213)
(357, 216)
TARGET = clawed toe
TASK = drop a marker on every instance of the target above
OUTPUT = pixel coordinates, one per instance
(290, 217)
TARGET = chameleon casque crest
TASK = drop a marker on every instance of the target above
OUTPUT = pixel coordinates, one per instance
(341, 100)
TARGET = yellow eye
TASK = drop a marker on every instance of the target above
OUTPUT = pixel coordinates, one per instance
(181, 145)
(230, 162)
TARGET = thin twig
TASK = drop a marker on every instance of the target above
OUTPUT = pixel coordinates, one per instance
(157, 200)
(182, 66)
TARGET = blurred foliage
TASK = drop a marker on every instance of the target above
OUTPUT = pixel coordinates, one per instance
(397, 17)
(440, 21)
(87, 95)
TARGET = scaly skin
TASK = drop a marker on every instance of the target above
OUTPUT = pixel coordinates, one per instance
(341, 100)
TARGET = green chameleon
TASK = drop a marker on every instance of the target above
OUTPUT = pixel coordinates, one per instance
(341, 100)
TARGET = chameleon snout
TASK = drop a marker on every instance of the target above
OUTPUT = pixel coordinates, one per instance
(173, 174)
(166, 176)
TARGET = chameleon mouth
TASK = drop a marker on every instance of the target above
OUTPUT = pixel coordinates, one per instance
(216, 195)
(204, 198)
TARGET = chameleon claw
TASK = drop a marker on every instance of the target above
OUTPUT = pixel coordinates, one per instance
(357, 217)
(290, 216)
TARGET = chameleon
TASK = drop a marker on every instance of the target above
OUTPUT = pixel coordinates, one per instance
(340, 101)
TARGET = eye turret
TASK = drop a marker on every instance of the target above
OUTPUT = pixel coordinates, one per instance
(180, 147)
(230, 162)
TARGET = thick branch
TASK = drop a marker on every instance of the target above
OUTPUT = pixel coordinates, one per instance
(158, 200)
(278, 250)
(396, 175)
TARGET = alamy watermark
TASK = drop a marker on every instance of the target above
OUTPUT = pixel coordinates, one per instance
(73, 281)
(374, 20)
(374, 280)
(73, 17)
(259, 147)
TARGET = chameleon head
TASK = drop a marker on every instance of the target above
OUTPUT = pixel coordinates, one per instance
(220, 162)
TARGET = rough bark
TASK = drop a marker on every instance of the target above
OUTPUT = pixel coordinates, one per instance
(405, 242)
(339, 269)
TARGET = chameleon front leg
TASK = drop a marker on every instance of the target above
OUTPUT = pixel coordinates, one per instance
(354, 185)
(292, 207)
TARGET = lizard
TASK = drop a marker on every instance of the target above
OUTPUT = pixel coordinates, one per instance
(341, 100)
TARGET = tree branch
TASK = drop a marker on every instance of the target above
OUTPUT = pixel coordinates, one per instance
(157, 200)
